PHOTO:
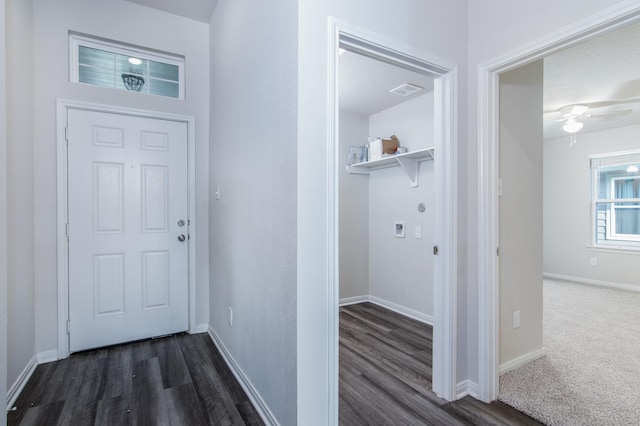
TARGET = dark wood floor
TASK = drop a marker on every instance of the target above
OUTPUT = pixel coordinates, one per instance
(385, 375)
(177, 380)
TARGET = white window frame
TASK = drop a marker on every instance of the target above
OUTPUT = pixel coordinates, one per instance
(77, 40)
(614, 240)
(611, 231)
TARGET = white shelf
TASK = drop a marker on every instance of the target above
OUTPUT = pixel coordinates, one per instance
(408, 161)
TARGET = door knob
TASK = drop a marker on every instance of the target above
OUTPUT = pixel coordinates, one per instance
(181, 237)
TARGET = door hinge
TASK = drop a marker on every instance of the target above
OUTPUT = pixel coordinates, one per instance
(66, 134)
(436, 250)
(500, 187)
(68, 327)
(67, 230)
(498, 251)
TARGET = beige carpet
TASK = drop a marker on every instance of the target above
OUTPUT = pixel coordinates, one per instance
(591, 372)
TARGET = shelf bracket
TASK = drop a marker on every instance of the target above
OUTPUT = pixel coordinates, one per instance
(410, 166)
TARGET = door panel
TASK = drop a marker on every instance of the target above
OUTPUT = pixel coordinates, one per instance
(127, 191)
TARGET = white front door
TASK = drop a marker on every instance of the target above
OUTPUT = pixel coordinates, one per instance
(128, 228)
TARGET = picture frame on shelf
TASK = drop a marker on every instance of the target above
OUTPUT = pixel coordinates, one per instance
(357, 154)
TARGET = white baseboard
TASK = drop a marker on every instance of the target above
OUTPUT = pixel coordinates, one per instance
(522, 360)
(260, 405)
(407, 312)
(14, 391)
(353, 300)
(48, 356)
(608, 284)
(466, 387)
(202, 328)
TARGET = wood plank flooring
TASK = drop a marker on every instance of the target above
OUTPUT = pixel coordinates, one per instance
(385, 379)
(385, 375)
(176, 380)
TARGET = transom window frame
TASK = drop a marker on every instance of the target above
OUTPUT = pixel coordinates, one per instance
(76, 40)
(617, 241)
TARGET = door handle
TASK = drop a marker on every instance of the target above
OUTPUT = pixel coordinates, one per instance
(181, 237)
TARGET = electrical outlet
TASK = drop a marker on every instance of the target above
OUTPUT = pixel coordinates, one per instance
(230, 316)
(516, 319)
(593, 261)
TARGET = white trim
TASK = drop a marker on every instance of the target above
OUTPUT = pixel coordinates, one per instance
(252, 393)
(466, 387)
(522, 360)
(407, 312)
(353, 300)
(47, 356)
(201, 328)
(588, 281)
(14, 391)
(63, 105)
(445, 75)
(488, 166)
(76, 40)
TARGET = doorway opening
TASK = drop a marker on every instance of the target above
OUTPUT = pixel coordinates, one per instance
(566, 243)
(489, 333)
(363, 45)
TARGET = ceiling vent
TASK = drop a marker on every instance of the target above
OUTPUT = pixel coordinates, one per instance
(406, 89)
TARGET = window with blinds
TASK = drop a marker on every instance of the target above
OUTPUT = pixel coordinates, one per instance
(108, 64)
(616, 199)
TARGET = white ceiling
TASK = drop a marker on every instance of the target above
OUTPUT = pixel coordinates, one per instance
(365, 84)
(603, 73)
(199, 10)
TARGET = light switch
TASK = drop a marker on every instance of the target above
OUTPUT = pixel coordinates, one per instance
(398, 229)
(418, 232)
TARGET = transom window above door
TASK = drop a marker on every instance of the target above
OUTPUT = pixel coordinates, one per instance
(616, 200)
(108, 64)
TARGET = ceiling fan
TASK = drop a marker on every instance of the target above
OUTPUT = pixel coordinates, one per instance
(574, 115)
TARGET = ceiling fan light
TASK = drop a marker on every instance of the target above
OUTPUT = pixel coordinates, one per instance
(572, 126)
(632, 169)
(579, 109)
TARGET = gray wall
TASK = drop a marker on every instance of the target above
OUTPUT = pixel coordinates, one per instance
(3, 220)
(354, 211)
(20, 235)
(521, 210)
(401, 269)
(567, 214)
(253, 225)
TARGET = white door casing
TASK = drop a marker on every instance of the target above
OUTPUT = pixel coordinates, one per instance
(65, 108)
(488, 171)
(445, 76)
(127, 180)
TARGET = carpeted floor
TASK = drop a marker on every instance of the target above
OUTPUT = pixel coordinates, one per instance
(591, 372)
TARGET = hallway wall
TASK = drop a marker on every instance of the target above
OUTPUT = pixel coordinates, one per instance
(3, 219)
(20, 237)
(253, 221)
